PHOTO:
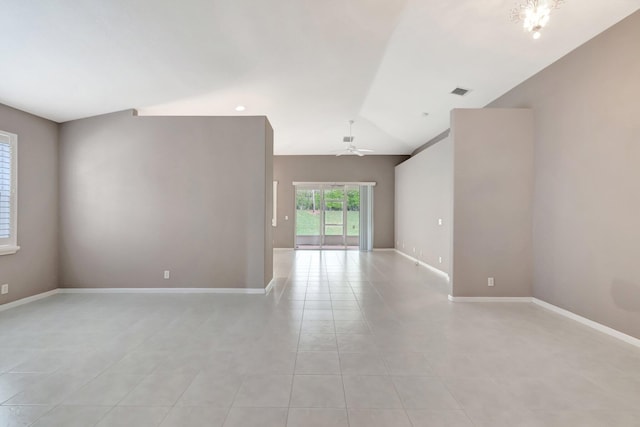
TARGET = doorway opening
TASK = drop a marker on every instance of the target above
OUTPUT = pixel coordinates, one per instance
(327, 216)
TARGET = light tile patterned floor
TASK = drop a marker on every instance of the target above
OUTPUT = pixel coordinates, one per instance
(345, 339)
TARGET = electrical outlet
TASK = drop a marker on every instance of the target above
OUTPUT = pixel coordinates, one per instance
(439, 221)
(167, 274)
(490, 281)
(5, 289)
(440, 259)
(286, 217)
(414, 250)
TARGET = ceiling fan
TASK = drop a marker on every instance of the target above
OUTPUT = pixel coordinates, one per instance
(352, 149)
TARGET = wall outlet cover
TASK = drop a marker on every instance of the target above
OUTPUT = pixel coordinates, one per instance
(5, 289)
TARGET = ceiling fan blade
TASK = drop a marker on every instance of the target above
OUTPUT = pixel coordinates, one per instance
(352, 149)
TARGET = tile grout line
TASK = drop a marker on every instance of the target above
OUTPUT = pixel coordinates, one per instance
(235, 395)
(295, 362)
(344, 389)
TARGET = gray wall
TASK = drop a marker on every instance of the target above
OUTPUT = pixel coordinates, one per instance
(492, 201)
(34, 269)
(380, 169)
(139, 195)
(424, 194)
(587, 182)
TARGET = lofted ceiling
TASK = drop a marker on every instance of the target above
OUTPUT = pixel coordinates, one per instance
(308, 65)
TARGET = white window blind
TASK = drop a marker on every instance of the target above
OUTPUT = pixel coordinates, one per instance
(8, 193)
(366, 217)
(5, 186)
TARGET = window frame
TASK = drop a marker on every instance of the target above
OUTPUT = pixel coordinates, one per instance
(9, 245)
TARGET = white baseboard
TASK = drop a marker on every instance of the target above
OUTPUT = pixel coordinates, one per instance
(27, 300)
(270, 286)
(590, 323)
(489, 299)
(374, 249)
(561, 311)
(424, 264)
(162, 291)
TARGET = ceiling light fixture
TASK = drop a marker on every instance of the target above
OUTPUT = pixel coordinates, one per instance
(352, 149)
(534, 15)
(241, 108)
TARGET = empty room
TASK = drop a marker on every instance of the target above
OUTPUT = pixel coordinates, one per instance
(356, 213)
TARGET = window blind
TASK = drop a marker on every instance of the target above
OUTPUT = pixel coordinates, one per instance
(5, 189)
(366, 217)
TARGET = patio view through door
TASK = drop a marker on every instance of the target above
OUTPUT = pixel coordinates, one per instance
(327, 216)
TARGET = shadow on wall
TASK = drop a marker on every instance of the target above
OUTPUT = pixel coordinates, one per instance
(626, 295)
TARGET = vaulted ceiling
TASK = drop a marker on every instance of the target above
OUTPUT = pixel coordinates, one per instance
(308, 65)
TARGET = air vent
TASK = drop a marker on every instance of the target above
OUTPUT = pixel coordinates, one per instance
(460, 91)
(348, 139)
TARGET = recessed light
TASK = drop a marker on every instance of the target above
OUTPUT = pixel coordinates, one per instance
(241, 108)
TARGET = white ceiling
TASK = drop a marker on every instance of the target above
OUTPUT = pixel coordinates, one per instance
(309, 65)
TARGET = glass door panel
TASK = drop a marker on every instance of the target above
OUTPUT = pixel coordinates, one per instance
(334, 216)
(353, 215)
(308, 217)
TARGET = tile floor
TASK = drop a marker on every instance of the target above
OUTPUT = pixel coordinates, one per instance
(344, 339)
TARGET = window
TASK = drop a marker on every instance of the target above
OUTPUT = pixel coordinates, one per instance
(8, 194)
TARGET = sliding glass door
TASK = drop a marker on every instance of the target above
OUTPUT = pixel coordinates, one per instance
(327, 216)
